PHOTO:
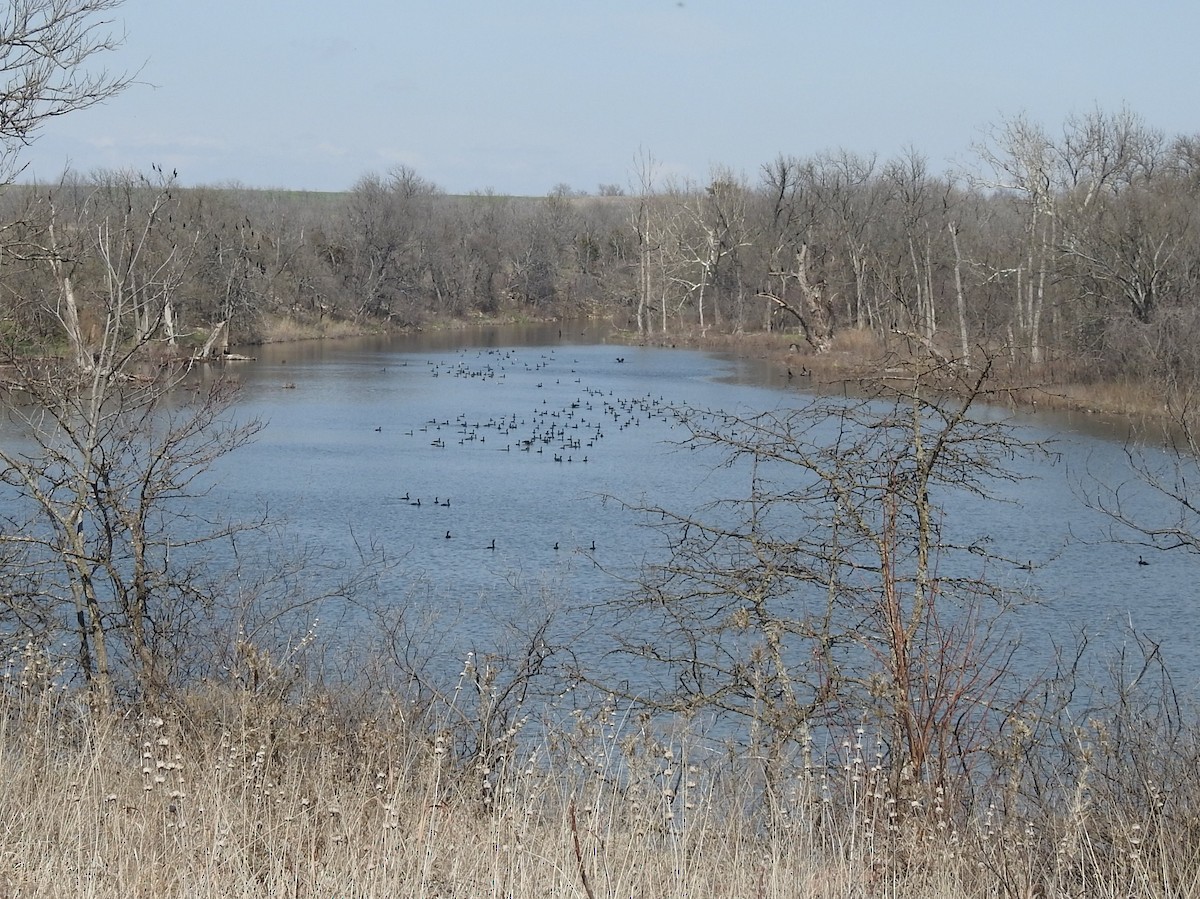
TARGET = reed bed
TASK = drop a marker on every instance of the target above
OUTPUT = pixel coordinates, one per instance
(234, 792)
(285, 329)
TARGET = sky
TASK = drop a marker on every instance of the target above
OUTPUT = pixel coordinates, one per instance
(523, 96)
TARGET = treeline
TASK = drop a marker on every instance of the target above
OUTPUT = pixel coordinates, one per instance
(1080, 248)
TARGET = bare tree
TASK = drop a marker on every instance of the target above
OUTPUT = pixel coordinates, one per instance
(107, 481)
(849, 202)
(836, 588)
(1128, 251)
(539, 270)
(717, 230)
(47, 48)
(1024, 166)
(1123, 222)
(106, 540)
(794, 290)
(1162, 459)
(386, 242)
(917, 201)
(790, 286)
(646, 224)
(114, 261)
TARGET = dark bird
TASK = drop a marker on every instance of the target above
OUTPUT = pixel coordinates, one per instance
(492, 545)
(447, 535)
(417, 502)
(377, 430)
(1142, 561)
(556, 546)
(593, 546)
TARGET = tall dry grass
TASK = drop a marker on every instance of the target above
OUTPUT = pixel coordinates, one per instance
(285, 329)
(238, 793)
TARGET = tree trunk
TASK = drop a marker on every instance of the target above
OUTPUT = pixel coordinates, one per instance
(169, 323)
(68, 308)
(207, 351)
(1037, 298)
(962, 301)
(819, 325)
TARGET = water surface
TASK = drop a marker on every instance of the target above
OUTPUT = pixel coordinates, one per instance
(536, 442)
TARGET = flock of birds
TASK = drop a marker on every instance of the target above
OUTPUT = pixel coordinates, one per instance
(568, 431)
(567, 427)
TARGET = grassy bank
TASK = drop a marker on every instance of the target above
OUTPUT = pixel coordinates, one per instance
(859, 355)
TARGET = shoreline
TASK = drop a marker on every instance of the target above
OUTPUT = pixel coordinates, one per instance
(856, 357)
(853, 357)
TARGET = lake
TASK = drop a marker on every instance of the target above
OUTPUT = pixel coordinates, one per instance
(496, 468)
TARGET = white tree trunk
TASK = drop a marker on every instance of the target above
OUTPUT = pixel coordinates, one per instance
(169, 322)
(67, 312)
(962, 300)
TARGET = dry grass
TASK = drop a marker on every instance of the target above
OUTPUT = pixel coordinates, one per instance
(857, 354)
(1106, 397)
(285, 329)
(235, 793)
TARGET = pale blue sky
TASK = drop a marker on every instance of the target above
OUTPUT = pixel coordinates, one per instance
(522, 95)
